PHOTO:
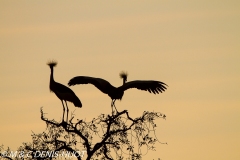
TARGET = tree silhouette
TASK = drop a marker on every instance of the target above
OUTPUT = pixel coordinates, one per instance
(116, 136)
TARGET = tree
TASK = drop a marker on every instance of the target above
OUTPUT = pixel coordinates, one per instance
(116, 136)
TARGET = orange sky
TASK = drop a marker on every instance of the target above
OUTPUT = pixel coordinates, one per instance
(193, 46)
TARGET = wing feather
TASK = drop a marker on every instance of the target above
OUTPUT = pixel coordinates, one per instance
(151, 86)
(103, 85)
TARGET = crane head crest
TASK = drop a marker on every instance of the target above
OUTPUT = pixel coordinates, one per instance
(123, 75)
(52, 63)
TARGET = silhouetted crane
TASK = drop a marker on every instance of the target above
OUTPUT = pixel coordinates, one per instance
(117, 93)
(62, 92)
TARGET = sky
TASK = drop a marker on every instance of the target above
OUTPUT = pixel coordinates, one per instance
(191, 45)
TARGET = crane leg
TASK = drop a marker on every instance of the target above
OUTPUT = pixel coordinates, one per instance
(67, 110)
(63, 112)
(114, 105)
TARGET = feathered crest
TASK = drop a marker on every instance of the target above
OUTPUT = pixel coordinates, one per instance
(52, 63)
(123, 75)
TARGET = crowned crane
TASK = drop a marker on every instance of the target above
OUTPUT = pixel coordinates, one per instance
(62, 92)
(117, 92)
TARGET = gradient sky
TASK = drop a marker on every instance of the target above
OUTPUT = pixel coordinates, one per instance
(191, 45)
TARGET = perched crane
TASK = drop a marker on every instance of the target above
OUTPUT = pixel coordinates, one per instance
(117, 92)
(62, 92)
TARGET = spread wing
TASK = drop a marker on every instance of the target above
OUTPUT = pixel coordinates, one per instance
(150, 86)
(103, 85)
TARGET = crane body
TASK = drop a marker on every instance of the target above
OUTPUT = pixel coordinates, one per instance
(62, 92)
(116, 93)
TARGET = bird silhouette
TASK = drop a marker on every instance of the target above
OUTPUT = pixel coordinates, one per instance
(62, 92)
(117, 92)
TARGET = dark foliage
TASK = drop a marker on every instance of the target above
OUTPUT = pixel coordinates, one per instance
(118, 136)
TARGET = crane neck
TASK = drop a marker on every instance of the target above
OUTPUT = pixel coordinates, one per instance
(51, 75)
(124, 80)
